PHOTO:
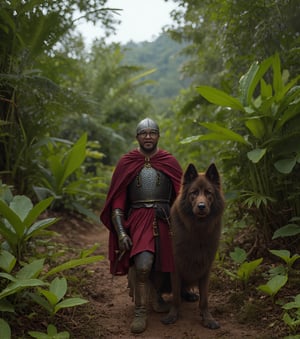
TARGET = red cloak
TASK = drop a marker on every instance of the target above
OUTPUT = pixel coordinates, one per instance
(127, 168)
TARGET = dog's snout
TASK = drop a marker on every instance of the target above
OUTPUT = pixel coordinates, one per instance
(201, 206)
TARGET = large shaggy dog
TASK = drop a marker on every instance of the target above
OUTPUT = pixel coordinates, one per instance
(196, 226)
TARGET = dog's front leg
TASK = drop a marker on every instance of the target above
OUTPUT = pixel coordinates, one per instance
(207, 318)
(172, 316)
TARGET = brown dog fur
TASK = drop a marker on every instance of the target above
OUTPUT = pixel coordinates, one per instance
(196, 218)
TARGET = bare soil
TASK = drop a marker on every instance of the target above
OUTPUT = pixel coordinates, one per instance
(110, 309)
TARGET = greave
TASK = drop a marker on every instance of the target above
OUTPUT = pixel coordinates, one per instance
(141, 298)
(143, 264)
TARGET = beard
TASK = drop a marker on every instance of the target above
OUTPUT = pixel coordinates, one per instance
(148, 147)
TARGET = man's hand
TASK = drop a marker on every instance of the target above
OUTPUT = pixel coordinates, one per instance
(125, 242)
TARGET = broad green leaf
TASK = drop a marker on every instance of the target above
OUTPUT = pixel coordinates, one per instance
(12, 218)
(5, 329)
(74, 263)
(7, 276)
(87, 252)
(190, 139)
(51, 297)
(8, 234)
(74, 158)
(266, 89)
(220, 98)
(71, 302)
(285, 166)
(256, 127)
(251, 79)
(59, 287)
(51, 330)
(57, 170)
(287, 231)
(38, 226)
(245, 84)
(283, 254)
(31, 270)
(274, 285)
(7, 261)
(41, 300)
(293, 304)
(21, 205)
(19, 285)
(239, 255)
(224, 133)
(277, 76)
(247, 268)
(256, 155)
(36, 211)
(289, 113)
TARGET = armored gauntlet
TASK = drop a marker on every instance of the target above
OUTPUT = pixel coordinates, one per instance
(124, 240)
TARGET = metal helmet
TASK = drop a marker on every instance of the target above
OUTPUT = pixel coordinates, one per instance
(146, 123)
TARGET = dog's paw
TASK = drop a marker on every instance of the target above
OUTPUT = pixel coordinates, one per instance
(211, 324)
(189, 296)
(169, 319)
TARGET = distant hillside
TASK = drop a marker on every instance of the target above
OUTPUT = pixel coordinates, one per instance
(163, 54)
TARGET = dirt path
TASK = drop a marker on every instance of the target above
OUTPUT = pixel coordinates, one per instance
(109, 312)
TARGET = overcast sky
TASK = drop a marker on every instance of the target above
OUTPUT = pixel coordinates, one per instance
(142, 20)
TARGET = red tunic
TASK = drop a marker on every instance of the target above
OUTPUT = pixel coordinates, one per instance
(140, 221)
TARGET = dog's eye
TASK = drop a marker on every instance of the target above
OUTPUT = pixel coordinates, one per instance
(208, 192)
(194, 193)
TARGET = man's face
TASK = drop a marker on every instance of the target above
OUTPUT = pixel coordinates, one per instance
(148, 139)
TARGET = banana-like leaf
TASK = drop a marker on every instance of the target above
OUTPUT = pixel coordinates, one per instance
(220, 98)
(74, 158)
(223, 133)
(256, 127)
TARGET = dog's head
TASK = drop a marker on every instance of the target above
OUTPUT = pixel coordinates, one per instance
(203, 190)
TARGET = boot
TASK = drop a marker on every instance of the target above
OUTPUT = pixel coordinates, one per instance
(139, 322)
(141, 294)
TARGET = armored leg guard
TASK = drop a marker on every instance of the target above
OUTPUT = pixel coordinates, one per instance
(143, 264)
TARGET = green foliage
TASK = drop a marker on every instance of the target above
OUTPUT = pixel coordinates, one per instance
(51, 334)
(64, 176)
(32, 276)
(244, 268)
(268, 113)
(273, 286)
(220, 47)
(291, 316)
(25, 278)
(5, 329)
(285, 255)
(53, 299)
(20, 222)
(288, 230)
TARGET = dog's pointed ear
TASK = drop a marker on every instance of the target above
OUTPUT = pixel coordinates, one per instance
(190, 174)
(212, 175)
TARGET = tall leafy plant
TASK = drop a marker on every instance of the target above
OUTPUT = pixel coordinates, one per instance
(261, 138)
(62, 178)
(20, 221)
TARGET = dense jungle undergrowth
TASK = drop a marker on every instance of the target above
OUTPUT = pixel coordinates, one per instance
(242, 310)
